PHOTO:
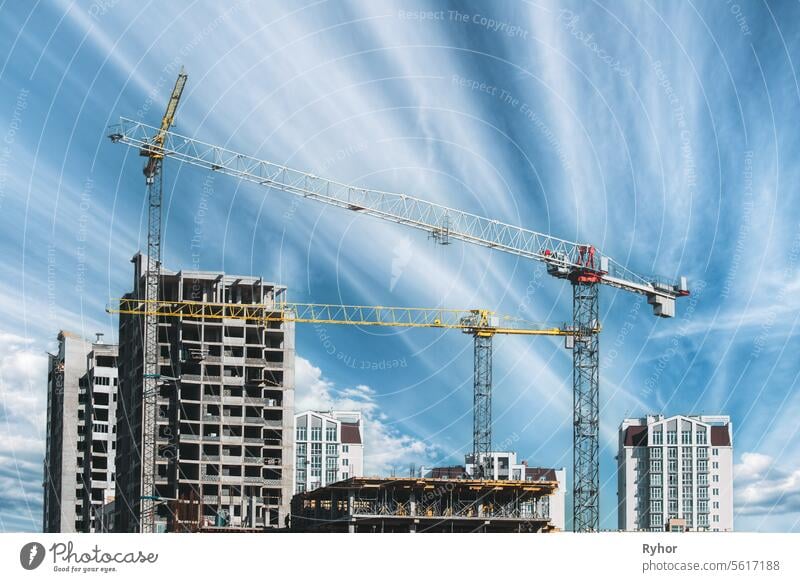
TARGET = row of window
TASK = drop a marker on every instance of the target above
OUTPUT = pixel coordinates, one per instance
(686, 437)
(316, 433)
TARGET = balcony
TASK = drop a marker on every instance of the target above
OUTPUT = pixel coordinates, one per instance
(271, 482)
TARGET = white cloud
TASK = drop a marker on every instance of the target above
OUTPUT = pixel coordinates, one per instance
(764, 489)
(23, 369)
(385, 447)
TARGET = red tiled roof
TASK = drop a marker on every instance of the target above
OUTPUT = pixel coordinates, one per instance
(351, 433)
(720, 437)
(636, 436)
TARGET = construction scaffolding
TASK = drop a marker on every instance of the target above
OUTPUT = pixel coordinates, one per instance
(411, 504)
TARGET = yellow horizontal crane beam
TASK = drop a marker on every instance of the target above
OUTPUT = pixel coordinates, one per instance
(475, 321)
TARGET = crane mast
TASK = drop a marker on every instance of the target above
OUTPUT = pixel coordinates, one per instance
(583, 265)
(151, 379)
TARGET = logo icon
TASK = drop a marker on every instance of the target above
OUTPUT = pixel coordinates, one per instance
(31, 555)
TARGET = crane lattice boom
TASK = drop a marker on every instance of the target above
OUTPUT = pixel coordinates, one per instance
(562, 257)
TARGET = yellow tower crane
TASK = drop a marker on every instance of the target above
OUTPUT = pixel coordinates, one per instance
(481, 324)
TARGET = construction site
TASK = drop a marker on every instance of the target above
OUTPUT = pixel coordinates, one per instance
(205, 420)
(437, 505)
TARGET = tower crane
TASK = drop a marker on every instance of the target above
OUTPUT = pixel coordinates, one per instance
(582, 264)
(481, 324)
(153, 150)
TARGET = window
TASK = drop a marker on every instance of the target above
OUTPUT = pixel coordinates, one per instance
(655, 466)
(673, 452)
(716, 505)
(331, 463)
(702, 479)
(331, 450)
(702, 453)
(673, 466)
(686, 437)
(687, 506)
(673, 506)
(686, 466)
(301, 463)
(655, 506)
(686, 478)
(715, 465)
(715, 452)
(345, 462)
(687, 491)
(715, 491)
(330, 433)
(656, 520)
(301, 433)
(715, 478)
(330, 476)
(655, 453)
(702, 506)
(702, 492)
(702, 519)
(301, 449)
(316, 448)
(345, 476)
(701, 436)
(655, 493)
(316, 433)
(686, 452)
(658, 437)
(672, 437)
(655, 480)
(673, 479)
(716, 518)
(673, 492)
(345, 448)
(702, 466)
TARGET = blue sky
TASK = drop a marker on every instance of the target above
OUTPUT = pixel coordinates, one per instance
(662, 132)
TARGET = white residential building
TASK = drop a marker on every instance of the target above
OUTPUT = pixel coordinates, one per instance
(675, 473)
(328, 448)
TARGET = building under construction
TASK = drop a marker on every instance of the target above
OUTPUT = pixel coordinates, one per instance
(411, 504)
(225, 416)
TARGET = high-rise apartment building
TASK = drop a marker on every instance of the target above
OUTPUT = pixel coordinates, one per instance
(225, 407)
(99, 392)
(78, 464)
(675, 473)
(329, 447)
